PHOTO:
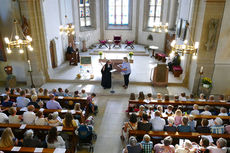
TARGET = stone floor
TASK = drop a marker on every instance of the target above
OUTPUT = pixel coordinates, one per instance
(142, 69)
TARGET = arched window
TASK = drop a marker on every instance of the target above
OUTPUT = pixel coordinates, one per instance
(155, 11)
(85, 13)
(118, 12)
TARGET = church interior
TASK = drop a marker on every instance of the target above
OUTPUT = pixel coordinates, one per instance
(115, 76)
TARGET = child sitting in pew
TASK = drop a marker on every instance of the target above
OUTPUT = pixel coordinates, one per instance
(195, 110)
(223, 112)
(206, 110)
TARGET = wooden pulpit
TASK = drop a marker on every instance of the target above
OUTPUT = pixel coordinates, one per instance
(160, 75)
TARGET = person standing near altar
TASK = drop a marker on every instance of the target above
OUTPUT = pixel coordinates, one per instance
(125, 70)
(106, 75)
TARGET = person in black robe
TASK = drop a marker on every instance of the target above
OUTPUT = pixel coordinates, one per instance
(70, 49)
(106, 75)
(175, 61)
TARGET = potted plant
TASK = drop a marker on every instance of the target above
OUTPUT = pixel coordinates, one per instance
(131, 54)
(100, 53)
(207, 82)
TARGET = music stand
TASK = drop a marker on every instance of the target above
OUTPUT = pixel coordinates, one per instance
(112, 71)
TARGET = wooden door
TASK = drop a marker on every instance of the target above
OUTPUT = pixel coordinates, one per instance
(52, 54)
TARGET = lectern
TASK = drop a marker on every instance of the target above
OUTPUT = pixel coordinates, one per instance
(159, 76)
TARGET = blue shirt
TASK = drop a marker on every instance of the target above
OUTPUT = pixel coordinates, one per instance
(217, 129)
(182, 128)
(52, 104)
(7, 104)
(126, 65)
(22, 101)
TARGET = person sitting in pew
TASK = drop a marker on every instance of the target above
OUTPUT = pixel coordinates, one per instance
(182, 97)
(169, 110)
(29, 116)
(185, 148)
(178, 117)
(31, 141)
(195, 110)
(83, 94)
(69, 121)
(141, 96)
(8, 139)
(52, 103)
(203, 147)
(53, 119)
(202, 97)
(80, 115)
(206, 110)
(147, 145)
(133, 146)
(166, 147)
(191, 98)
(46, 92)
(93, 107)
(54, 92)
(13, 118)
(166, 97)
(144, 123)
(53, 140)
(159, 97)
(60, 92)
(34, 101)
(40, 120)
(221, 98)
(3, 118)
(158, 123)
(221, 146)
(218, 128)
(18, 91)
(203, 128)
(22, 101)
(6, 102)
(184, 126)
(170, 127)
(76, 93)
(211, 98)
(192, 123)
(40, 92)
(223, 112)
(175, 61)
(131, 125)
(67, 93)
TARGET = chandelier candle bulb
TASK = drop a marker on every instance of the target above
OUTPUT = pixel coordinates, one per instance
(7, 40)
(16, 37)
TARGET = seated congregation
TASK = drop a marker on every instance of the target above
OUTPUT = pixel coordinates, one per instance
(149, 123)
(52, 119)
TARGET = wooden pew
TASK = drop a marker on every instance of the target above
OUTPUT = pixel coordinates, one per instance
(175, 103)
(60, 99)
(27, 150)
(44, 128)
(188, 135)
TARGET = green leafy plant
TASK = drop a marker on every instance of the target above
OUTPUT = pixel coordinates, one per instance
(100, 52)
(206, 80)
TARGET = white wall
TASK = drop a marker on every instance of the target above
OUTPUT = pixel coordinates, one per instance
(52, 20)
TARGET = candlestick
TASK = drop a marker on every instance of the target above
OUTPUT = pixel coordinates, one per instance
(30, 69)
(201, 69)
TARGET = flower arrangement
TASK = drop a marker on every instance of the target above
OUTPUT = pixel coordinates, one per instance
(130, 54)
(100, 52)
(206, 80)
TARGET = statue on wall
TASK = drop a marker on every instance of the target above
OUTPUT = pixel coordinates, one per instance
(10, 79)
(25, 26)
(212, 30)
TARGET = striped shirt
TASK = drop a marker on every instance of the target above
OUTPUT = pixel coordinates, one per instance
(147, 146)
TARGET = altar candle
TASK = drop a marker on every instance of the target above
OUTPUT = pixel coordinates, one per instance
(201, 69)
(30, 69)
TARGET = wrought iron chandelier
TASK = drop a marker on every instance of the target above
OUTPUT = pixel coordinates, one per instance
(185, 48)
(18, 40)
(159, 27)
(67, 29)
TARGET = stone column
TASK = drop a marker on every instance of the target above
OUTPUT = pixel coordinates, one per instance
(32, 10)
(173, 14)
